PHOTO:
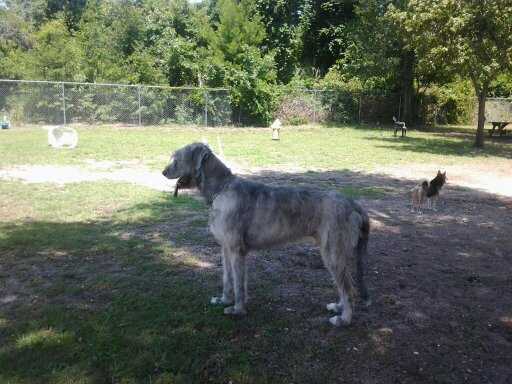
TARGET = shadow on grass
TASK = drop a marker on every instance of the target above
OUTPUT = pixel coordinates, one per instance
(122, 300)
(444, 145)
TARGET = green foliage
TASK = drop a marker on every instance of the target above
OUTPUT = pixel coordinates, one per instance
(55, 55)
(451, 103)
(239, 26)
(373, 55)
(283, 34)
(324, 28)
(233, 42)
(251, 46)
(471, 38)
(251, 81)
(502, 86)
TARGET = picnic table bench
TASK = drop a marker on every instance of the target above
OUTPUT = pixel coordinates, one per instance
(498, 111)
(500, 126)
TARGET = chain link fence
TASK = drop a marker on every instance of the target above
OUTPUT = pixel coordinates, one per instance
(43, 102)
(301, 106)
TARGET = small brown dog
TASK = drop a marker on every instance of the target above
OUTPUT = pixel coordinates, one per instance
(427, 192)
(419, 196)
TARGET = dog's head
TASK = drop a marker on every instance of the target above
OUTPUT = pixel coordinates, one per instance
(441, 176)
(186, 164)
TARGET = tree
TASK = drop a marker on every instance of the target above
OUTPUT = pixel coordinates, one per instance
(171, 38)
(109, 32)
(283, 34)
(324, 31)
(234, 44)
(472, 38)
(378, 54)
(55, 55)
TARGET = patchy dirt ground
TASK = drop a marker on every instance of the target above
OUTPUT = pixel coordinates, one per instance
(441, 282)
(441, 285)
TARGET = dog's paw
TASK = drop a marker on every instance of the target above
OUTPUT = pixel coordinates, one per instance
(233, 311)
(334, 307)
(339, 321)
(216, 300)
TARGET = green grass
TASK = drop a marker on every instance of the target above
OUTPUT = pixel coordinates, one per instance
(107, 277)
(139, 322)
(305, 147)
(94, 306)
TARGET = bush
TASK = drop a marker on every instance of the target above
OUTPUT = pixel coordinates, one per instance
(251, 81)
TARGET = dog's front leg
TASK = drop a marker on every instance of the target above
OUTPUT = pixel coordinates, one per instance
(237, 260)
(227, 283)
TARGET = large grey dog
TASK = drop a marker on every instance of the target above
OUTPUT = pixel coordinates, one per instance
(246, 216)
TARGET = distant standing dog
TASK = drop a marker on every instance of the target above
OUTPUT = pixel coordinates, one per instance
(428, 192)
(246, 216)
(434, 188)
(419, 196)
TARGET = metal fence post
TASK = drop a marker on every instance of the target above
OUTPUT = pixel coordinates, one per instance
(140, 117)
(314, 105)
(359, 109)
(206, 108)
(63, 103)
(400, 107)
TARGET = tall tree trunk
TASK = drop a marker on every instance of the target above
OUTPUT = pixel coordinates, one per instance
(407, 87)
(480, 134)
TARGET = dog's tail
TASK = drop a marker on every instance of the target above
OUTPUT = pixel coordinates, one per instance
(361, 254)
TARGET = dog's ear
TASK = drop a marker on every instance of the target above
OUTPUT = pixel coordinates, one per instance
(203, 152)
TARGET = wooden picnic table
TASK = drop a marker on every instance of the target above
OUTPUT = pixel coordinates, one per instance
(500, 125)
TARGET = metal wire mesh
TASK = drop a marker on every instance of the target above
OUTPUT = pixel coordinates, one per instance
(32, 102)
(318, 106)
(42, 102)
(35, 102)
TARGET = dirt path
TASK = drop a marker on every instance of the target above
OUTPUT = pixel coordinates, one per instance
(486, 178)
(74, 174)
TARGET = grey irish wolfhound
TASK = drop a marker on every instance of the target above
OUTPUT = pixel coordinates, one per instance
(246, 216)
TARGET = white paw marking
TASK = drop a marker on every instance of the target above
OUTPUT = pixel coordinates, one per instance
(234, 311)
(334, 307)
(216, 300)
(338, 321)
(335, 320)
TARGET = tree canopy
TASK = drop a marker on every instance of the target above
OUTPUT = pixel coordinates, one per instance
(415, 48)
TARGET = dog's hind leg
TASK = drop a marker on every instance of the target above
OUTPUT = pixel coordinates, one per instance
(345, 289)
(237, 260)
(336, 262)
(227, 283)
(434, 203)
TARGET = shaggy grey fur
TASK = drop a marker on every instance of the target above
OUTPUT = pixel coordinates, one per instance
(246, 216)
